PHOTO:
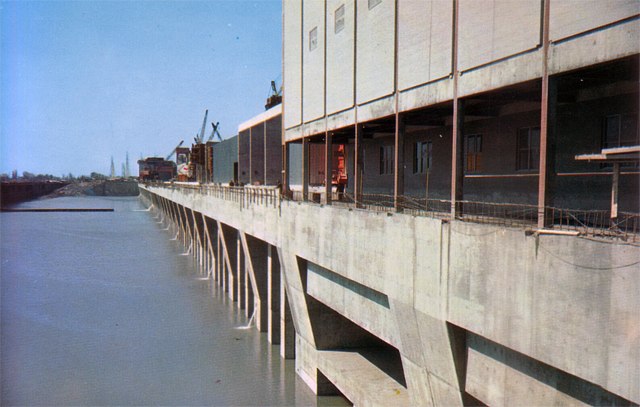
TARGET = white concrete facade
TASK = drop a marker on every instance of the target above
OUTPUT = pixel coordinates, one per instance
(405, 49)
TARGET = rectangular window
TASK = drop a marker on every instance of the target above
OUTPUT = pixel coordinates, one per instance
(473, 152)
(422, 157)
(386, 160)
(373, 3)
(620, 130)
(528, 148)
(313, 38)
(339, 19)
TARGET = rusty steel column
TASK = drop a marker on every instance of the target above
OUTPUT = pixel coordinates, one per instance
(328, 165)
(398, 171)
(546, 179)
(457, 133)
(457, 158)
(357, 167)
(305, 169)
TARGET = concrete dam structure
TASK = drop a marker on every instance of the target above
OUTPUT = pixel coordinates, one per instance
(392, 308)
(444, 210)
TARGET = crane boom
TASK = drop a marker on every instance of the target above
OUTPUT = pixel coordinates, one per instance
(174, 151)
(204, 124)
(214, 131)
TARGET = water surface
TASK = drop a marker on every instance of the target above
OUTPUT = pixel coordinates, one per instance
(100, 308)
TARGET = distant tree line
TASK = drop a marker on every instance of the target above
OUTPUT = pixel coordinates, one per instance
(28, 176)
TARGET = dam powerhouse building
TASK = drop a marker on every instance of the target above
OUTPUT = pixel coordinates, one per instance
(444, 208)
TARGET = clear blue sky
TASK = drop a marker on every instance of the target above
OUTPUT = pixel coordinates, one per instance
(82, 81)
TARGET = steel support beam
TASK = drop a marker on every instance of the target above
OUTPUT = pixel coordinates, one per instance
(457, 158)
(357, 168)
(547, 170)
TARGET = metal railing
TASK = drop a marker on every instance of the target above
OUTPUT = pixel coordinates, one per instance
(245, 196)
(596, 223)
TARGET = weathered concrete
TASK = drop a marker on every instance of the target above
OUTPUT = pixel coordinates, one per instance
(453, 298)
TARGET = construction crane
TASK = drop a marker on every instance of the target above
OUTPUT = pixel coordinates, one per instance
(274, 91)
(174, 151)
(199, 138)
(275, 98)
(214, 132)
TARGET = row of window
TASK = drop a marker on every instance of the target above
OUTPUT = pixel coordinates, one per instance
(338, 24)
(528, 148)
(618, 131)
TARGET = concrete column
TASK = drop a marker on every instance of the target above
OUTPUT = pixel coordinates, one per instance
(219, 257)
(240, 274)
(357, 168)
(174, 217)
(211, 255)
(181, 221)
(198, 227)
(328, 166)
(305, 169)
(457, 158)
(229, 247)
(273, 296)
(430, 357)
(249, 300)
(256, 264)
(398, 171)
(287, 329)
(188, 240)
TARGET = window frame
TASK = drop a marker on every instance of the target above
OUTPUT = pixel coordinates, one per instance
(473, 157)
(531, 148)
(387, 159)
(339, 27)
(419, 158)
(313, 38)
(371, 4)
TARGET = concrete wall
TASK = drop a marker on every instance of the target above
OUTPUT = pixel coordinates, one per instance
(244, 156)
(225, 154)
(273, 151)
(546, 302)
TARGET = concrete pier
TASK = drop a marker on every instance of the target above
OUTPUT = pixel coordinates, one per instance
(396, 309)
